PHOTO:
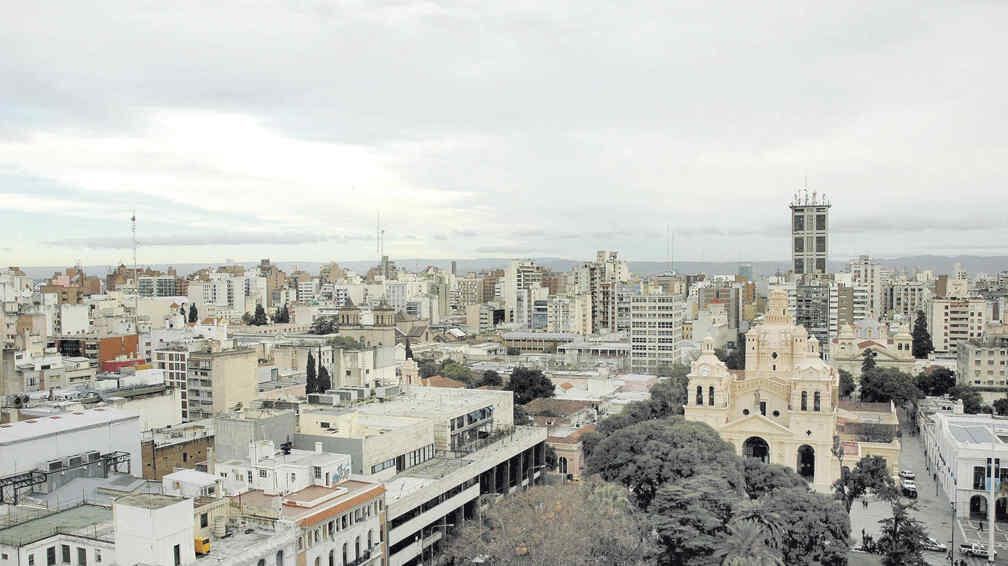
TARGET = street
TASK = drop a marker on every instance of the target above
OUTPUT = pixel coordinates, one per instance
(933, 509)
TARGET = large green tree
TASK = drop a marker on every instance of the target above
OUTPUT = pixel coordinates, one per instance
(936, 381)
(762, 479)
(903, 537)
(311, 382)
(323, 381)
(193, 313)
(922, 345)
(870, 473)
(887, 384)
(816, 527)
(590, 523)
(691, 517)
(747, 543)
(971, 398)
(529, 384)
(491, 378)
(868, 361)
(1001, 406)
(259, 318)
(647, 455)
(847, 384)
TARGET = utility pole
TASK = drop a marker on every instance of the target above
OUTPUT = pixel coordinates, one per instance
(136, 285)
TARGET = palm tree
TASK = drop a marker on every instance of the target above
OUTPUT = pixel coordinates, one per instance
(769, 521)
(746, 545)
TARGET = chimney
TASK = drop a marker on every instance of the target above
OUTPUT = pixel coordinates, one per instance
(318, 447)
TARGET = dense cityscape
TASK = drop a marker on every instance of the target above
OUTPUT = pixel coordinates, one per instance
(246, 414)
(533, 283)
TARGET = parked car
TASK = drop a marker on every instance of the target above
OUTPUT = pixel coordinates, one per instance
(933, 545)
(909, 488)
(978, 550)
(907, 475)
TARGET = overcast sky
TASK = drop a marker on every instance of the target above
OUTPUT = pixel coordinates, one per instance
(247, 130)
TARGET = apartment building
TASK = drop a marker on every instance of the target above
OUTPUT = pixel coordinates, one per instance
(952, 321)
(656, 321)
(983, 362)
(218, 380)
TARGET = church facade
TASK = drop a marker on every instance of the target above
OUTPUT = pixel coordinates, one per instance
(782, 409)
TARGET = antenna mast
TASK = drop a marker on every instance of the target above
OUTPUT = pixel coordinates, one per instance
(136, 282)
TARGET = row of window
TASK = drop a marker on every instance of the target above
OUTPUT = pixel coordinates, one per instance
(64, 556)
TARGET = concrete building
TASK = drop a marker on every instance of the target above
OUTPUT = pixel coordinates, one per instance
(873, 277)
(281, 470)
(954, 321)
(518, 276)
(983, 363)
(958, 450)
(218, 380)
(340, 524)
(655, 330)
(44, 453)
(905, 298)
(186, 446)
(809, 234)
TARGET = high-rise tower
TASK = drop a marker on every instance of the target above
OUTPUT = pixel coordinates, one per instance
(809, 233)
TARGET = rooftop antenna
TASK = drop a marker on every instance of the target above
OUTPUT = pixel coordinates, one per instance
(136, 280)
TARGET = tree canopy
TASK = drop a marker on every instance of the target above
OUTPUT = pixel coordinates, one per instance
(870, 473)
(491, 378)
(922, 345)
(193, 313)
(936, 381)
(590, 522)
(971, 398)
(691, 516)
(868, 361)
(847, 385)
(887, 384)
(903, 536)
(259, 318)
(816, 528)
(762, 479)
(644, 456)
(529, 384)
(311, 382)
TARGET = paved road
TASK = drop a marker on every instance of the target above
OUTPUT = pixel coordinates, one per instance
(933, 509)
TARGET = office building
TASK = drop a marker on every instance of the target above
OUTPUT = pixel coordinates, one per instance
(809, 234)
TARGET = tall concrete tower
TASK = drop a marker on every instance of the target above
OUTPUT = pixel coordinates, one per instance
(809, 233)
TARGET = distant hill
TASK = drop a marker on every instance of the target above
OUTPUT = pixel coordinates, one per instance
(939, 264)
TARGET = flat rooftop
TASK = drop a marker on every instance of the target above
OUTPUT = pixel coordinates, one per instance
(91, 520)
(149, 500)
(29, 429)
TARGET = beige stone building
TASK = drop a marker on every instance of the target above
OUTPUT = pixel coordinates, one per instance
(782, 408)
(893, 348)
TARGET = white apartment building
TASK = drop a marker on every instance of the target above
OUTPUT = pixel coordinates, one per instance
(519, 275)
(873, 277)
(569, 313)
(282, 471)
(656, 321)
(905, 298)
(954, 321)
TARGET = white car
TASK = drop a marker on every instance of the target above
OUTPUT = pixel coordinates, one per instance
(907, 475)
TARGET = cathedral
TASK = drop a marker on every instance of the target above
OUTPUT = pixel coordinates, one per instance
(782, 409)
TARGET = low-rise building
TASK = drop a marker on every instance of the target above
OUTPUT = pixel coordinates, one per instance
(958, 451)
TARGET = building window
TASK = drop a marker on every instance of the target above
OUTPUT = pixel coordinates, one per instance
(279, 558)
(710, 395)
(762, 408)
(317, 470)
(97, 555)
(31, 560)
(177, 550)
(817, 401)
(699, 395)
(204, 520)
(51, 556)
(65, 553)
(81, 556)
(804, 400)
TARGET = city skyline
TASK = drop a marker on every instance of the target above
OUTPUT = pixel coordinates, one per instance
(497, 131)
